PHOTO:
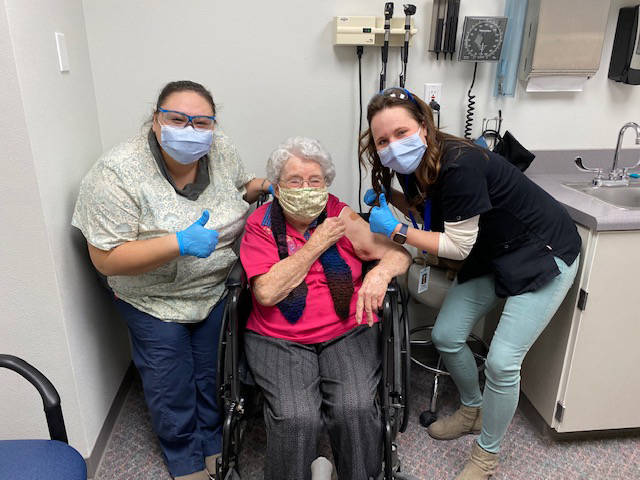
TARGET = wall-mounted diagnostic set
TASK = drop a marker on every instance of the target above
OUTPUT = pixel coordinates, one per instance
(369, 31)
(383, 32)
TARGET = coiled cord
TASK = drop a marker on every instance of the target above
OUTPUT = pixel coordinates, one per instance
(468, 124)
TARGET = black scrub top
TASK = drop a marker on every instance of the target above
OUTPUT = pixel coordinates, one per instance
(521, 226)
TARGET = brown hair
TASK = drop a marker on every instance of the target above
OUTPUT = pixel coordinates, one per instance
(429, 168)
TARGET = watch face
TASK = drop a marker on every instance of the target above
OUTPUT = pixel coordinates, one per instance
(399, 238)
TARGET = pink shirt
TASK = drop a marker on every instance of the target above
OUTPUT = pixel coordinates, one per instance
(319, 321)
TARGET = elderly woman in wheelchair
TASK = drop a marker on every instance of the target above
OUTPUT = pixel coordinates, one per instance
(309, 341)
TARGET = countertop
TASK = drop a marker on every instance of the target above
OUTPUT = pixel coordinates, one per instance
(585, 209)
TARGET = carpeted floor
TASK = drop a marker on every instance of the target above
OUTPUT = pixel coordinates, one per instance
(133, 452)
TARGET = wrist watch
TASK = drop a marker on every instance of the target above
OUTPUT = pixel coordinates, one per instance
(401, 236)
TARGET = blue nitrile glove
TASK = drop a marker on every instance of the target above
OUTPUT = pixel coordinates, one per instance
(196, 240)
(272, 191)
(370, 196)
(381, 220)
(482, 142)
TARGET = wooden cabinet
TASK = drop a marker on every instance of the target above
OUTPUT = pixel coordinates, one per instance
(583, 373)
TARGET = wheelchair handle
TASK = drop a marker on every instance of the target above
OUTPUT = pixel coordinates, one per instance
(48, 393)
(236, 276)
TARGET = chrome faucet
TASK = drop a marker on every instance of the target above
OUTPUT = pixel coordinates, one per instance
(615, 177)
(614, 167)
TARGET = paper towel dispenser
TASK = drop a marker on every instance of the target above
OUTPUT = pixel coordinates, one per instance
(625, 55)
(563, 42)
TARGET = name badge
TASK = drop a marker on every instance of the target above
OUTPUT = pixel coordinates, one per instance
(423, 279)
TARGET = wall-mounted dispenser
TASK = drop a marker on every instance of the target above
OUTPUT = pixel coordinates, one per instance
(562, 43)
(507, 70)
(625, 55)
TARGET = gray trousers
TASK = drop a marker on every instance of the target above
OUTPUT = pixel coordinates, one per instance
(304, 386)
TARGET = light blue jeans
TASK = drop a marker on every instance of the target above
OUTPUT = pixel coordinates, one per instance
(524, 317)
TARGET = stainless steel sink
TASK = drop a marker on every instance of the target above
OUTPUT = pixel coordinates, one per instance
(627, 197)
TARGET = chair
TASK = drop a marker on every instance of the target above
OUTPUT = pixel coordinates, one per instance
(234, 394)
(30, 459)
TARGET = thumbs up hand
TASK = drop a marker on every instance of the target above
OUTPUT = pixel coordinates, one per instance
(196, 240)
(381, 220)
(370, 196)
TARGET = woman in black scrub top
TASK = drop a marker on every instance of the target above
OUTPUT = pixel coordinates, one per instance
(517, 242)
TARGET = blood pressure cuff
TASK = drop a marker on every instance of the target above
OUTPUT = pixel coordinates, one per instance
(513, 151)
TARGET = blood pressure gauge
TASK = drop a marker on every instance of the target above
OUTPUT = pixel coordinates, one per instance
(482, 39)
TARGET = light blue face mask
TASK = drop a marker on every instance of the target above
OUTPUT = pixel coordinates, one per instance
(185, 145)
(403, 156)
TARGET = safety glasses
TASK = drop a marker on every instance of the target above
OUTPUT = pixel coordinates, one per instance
(181, 120)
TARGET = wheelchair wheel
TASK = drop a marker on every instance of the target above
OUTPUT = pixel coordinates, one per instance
(231, 397)
(396, 363)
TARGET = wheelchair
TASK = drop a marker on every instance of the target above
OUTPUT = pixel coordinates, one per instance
(234, 393)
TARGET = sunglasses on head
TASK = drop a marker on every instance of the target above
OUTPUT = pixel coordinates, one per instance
(400, 93)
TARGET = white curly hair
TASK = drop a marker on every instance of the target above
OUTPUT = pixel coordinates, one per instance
(301, 147)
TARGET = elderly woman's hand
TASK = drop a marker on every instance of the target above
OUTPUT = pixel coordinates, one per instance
(328, 233)
(371, 294)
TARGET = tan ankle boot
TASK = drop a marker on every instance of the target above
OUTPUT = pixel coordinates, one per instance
(480, 466)
(464, 420)
(201, 475)
(210, 462)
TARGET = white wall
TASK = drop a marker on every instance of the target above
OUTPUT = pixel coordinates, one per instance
(31, 317)
(65, 324)
(273, 68)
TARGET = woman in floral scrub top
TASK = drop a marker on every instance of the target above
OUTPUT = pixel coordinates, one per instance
(161, 213)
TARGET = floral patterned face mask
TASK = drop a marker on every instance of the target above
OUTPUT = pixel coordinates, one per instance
(304, 203)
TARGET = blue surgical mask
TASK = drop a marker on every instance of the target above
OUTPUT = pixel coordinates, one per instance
(403, 156)
(185, 145)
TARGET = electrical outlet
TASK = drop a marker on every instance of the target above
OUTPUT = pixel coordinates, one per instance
(433, 91)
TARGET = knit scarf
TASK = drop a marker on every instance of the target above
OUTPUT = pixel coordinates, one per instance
(336, 270)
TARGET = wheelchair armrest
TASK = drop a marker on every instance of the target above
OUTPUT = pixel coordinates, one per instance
(393, 286)
(236, 276)
(48, 393)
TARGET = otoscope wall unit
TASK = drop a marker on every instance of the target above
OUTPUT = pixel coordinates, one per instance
(369, 31)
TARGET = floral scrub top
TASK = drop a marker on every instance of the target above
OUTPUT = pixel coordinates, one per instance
(126, 197)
